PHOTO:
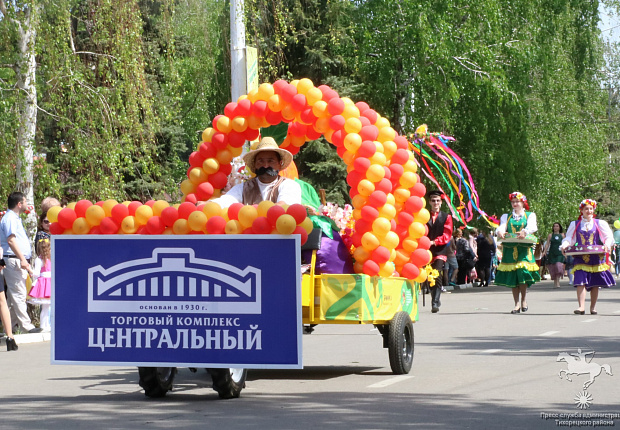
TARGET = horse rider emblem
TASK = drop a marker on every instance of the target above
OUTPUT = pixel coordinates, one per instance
(579, 365)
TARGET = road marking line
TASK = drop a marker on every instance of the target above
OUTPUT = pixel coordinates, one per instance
(491, 351)
(391, 381)
(549, 333)
(589, 320)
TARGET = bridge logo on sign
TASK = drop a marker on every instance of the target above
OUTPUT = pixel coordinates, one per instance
(174, 280)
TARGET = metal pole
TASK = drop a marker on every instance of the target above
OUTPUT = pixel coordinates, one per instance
(237, 50)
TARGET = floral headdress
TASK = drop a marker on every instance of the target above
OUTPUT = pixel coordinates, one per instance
(518, 195)
(585, 202)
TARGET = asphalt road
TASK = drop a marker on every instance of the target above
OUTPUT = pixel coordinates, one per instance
(476, 367)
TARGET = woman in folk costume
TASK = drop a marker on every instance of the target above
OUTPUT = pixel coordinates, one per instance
(518, 269)
(591, 271)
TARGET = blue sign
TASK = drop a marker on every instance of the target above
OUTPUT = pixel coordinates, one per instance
(177, 301)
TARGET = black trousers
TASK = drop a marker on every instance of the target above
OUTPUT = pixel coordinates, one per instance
(436, 290)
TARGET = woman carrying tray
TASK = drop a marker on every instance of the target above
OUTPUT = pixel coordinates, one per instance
(518, 269)
(591, 270)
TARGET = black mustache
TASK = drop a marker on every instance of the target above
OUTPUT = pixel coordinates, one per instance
(268, 170)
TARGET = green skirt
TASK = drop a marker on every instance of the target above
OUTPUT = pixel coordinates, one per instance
(518, 266)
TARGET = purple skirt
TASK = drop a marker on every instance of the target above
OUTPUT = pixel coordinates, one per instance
(594, 280)
(556, 270)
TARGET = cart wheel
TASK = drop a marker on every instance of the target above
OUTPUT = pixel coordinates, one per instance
(400, 343)
(228, 382)
(156, 381)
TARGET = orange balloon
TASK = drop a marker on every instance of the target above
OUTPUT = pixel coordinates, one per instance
(370, 241)
(416, 230)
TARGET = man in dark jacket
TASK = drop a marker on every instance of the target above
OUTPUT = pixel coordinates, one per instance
(439, 232)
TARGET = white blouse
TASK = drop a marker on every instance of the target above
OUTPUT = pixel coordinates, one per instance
(605, 232)
(530, 228)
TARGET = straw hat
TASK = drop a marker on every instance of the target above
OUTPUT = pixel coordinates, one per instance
(267, 144)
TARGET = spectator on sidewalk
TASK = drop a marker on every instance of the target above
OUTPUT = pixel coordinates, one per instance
(439, 232)
(17, 252)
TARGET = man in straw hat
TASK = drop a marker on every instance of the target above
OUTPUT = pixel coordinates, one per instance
(265, 161)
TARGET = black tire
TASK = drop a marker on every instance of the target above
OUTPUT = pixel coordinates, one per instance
(156, 381)
(228, 382)
(401, 343)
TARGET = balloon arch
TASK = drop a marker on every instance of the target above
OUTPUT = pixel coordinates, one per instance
(387, 195)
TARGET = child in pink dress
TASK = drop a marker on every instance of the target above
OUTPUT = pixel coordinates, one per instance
(42, 287)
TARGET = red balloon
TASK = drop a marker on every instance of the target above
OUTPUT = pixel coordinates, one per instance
(236, 140)
(206, 150)
(401, 142)
(361, 164)
(335, 106)
(260, 108)
(370, 268)
(244, 108)
(298, 212)
(220, 140)
(396, 171)
(99, 203)
(81, 206)
(196, 159)
(94, 230)
(354, 178)
(302, 232)
(108, 226)
(216, 225)
(371, 115)
(362, 106)
(388, 172)
(405, 218)
(261, 225)
(340, 150)
(413, 204)
(214, 122)
(356, 238)
(418, 190)
(119, 212)
(297, 129)
(204, 191)
(401, 156)
(169, 215)
(367, 149)
(150, 203)
(66, 217)
(377, 199)
(380, 255)
(420, 257)
(190, 198)
(307, 116)
(336, 122)
(273, 213)
(185, 209)
(288, 92)
(155, 225)
(312, 134)
(55, 228)
(293, 149)
(369, 213)
(132, 207)
(362, 225)
(410, 271)
(225, 169)
(273, 118)
(250, 134)
(402, 232)
(369, 132)
(338, 137)
(218, 180)
(233, 211)
(327, 93)
(299, 102)
(229, 110)
(384, 185)
(424, 242)
(365, 121)
(278, 86)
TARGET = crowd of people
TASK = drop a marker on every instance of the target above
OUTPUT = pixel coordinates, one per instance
(522, 260)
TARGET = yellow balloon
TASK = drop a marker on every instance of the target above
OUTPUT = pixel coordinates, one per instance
(353, 125)
(361, 254)
(239, 124)
(129, 225)
(388, 211)
(143, 213)
(71, 205)
(389, 148)
(386, 270)
(253, 95)
(187, 187)
(390, 240)
(233, 227)
(304, 85)
(159, 206)
(365, 187)
(378, 158)
(52, 213)
(381, 226)
(401, 194)
(352, 142)
(276, 103)
(390, 199)
(197, 221)
(306, 224)
(265, 91)
(197, 176)
(80, 226)
(94, 215)
(313, 95)
(410, 166)
(210, 166)
(616, 222)
(180, 226)
(358, 201)
(370, 241)
(207, 134)
(386, 133)
(416, 230)
(286, 224)
(408, 179)
(423, 216)
(319, 109)
(224, 156)
(375, 173)
(350, 111)
(264, 206)
(224, 124)
(212, 209)
(247, 215)
(421, 277)
(108, 205)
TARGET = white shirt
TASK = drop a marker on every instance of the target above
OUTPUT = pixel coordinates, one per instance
(11, 224)
(605, 232)
(530, 228)
(289, 192)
